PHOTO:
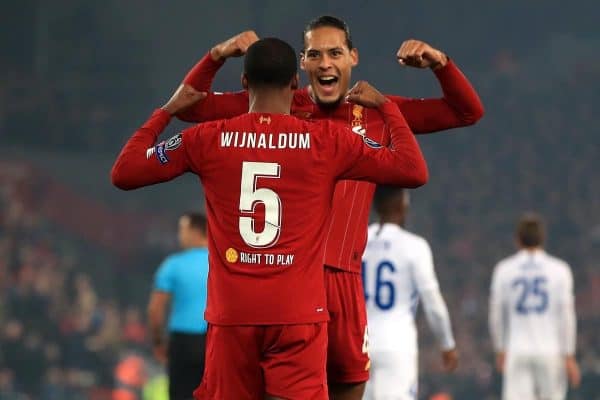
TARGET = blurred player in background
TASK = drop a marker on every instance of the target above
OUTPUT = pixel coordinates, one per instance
(180, 283)
(328, 57)
(532, 319)
(263, 172)
(398, 272)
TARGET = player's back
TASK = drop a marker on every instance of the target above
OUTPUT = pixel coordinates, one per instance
(276, 169)
(530, 287)
(268, 181)
(390, 261)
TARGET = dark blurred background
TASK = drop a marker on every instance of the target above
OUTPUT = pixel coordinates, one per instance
(77, 256)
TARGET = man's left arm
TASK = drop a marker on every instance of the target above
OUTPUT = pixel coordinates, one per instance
(460, 105)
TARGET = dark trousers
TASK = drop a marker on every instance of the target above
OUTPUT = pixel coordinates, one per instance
(186, 364)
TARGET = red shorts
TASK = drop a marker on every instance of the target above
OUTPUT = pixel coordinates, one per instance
(347, 350)
(249, 362)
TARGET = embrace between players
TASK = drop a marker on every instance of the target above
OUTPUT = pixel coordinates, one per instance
(289, 175)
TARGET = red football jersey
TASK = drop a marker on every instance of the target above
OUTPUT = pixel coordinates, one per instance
(269, 181)
(347, 231)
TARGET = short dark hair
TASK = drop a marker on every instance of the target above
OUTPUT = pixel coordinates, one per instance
(270, 62)
(330, 21)
(384, 193)
(197, 221)
(530, 230)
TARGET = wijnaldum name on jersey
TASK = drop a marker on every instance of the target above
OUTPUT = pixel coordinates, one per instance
(253, 140)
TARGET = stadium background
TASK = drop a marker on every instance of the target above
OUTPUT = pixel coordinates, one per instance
(77, 256)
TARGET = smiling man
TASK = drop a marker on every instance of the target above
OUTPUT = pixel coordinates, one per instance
(328, 57)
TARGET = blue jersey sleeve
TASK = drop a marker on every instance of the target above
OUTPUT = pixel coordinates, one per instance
(164, 279)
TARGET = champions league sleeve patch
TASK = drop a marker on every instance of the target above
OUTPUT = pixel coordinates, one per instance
(371, 143)
(161, 148)
(174, 142)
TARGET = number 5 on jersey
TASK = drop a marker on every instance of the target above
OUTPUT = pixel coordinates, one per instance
(251, 196)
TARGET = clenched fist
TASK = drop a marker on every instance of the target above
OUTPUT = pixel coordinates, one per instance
(418, 54)
(366, 95)
(233, 47)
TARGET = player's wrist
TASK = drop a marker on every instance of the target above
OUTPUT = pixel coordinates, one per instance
(216, 54)
(441, 63)
(169, 109)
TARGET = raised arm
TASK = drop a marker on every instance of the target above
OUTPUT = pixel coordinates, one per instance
(144, 162)
(402, 163)
(460, 104)
(201, 76)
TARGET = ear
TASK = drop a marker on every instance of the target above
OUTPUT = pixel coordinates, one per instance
(244, 81)
(302, 58)
(354, 56)
(295, 81)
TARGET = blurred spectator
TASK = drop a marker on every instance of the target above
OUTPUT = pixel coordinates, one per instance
(134, 330)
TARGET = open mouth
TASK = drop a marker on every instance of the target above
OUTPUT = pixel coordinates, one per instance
(328, 81)
(328, 85)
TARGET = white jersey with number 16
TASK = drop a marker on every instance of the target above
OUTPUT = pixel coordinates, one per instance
(397, 271)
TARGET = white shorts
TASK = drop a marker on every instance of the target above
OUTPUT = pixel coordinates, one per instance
(529, 377)
(394, 376)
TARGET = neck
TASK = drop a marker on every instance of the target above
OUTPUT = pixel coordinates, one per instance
(270, 100)
(392, 219)
(532, 248)
(323, 106)
(194, 244)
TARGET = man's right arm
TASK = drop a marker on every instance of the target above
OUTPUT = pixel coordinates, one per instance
(460, 104)
(400, 164)
(201, 76)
